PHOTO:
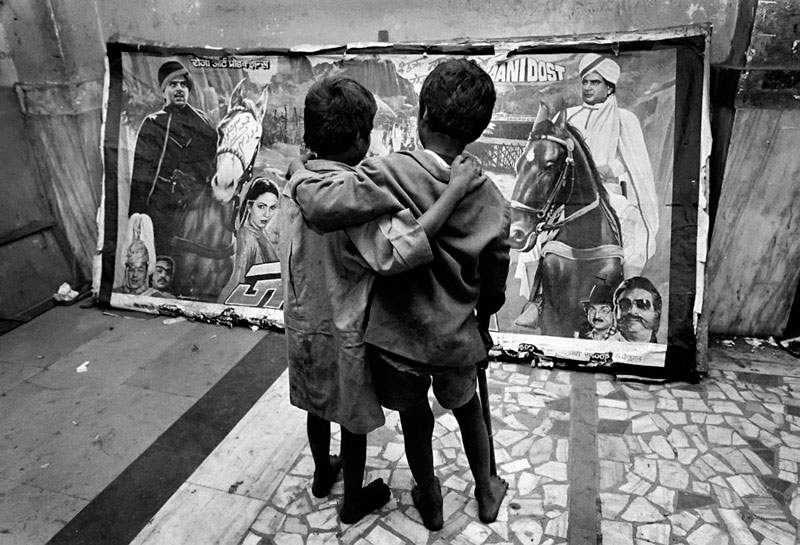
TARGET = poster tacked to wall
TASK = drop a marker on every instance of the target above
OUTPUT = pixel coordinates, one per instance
(597, 145)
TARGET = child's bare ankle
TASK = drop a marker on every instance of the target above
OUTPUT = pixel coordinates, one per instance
(373, 496)
(489, 501)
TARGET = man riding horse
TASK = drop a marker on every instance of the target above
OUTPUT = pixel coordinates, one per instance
(615, 139)
(563, 226)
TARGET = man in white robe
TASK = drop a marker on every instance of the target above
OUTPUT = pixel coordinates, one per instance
(616, 142)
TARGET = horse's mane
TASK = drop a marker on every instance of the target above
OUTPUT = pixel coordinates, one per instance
(548, 128)
(569, 132)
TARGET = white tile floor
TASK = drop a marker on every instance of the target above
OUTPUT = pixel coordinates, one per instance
(708, 464)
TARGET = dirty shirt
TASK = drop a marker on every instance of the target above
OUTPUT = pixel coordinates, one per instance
(327, 281)
(427, 314)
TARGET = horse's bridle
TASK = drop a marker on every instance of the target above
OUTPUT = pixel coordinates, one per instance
(247, 166)
(548, 212)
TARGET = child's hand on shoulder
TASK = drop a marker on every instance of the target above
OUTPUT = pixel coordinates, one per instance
(466, 173)
(299, 164)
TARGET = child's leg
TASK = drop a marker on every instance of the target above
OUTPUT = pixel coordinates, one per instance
(359, 501)
(489, 489)
(408, 393)
(417, 424)
(326, 467)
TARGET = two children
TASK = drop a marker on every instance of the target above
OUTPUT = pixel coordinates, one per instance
(328, 279)
(422, 327)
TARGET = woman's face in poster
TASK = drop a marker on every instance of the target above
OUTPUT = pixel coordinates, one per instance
(262, 209)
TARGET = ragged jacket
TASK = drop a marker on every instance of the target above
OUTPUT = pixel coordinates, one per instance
(427, 314)
(327, 282)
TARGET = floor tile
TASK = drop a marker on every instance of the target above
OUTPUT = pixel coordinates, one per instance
(30, 515)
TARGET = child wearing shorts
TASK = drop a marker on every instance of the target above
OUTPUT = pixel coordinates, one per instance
(423, 325)
(328, 279)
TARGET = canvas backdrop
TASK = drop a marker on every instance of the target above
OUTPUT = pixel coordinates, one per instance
(661, 84)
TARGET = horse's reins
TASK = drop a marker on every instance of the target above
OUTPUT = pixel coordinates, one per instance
(247, 168)
(214, 253)
(549, 211)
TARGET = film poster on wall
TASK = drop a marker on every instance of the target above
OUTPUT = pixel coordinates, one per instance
(596, 144)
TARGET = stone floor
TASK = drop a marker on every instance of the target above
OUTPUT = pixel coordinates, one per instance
(589, 459)
(118, 406)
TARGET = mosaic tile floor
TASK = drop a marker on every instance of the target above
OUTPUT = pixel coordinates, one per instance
(589, 459)
(708, 464)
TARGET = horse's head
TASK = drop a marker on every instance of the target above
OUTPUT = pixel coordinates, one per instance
(540, 177)
(239, 137)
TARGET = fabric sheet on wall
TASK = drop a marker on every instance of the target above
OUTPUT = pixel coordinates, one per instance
(597, 144)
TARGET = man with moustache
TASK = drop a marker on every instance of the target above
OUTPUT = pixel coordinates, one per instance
(599, 310)
(174, 156)
(161, 279)
(637, 308)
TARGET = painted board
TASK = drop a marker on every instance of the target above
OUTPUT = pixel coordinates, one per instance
(603, 234)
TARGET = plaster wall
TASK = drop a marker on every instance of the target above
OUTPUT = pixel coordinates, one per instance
(53, 41)
(52, 52)
(290, 22)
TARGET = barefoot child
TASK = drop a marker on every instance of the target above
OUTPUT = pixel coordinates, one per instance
(327, 280)
(422, 327)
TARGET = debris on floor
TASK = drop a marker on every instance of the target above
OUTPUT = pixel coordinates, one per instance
(65, 293)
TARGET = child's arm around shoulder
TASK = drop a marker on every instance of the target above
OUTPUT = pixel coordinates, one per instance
(334, 199)
(465, 177)
(394, 243)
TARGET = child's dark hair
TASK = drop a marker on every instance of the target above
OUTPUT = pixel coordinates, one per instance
(337, 110)
(457, 99)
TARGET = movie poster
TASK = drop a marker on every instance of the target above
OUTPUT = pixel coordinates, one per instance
(582, 144)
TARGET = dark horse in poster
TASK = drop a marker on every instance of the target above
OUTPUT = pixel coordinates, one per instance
(204, 243)
(559, 206)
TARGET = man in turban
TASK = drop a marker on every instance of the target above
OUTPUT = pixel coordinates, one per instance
(174, 156)
(616, 142)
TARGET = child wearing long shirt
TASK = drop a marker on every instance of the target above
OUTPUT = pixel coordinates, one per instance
(328, 279)
(423, 325)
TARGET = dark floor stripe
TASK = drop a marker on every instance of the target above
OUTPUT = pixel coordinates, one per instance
(123, 508)
(583, 523)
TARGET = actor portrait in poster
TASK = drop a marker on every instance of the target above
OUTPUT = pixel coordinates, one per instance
(614, 136)
(585, 204)
(174, 156)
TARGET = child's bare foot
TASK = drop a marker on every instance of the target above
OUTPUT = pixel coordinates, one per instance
(373, 496)
(324, 478)
(489, 503)
(429, 506)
